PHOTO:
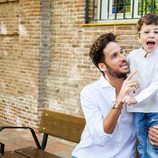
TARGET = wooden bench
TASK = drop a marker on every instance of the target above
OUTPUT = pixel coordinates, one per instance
(52, 123)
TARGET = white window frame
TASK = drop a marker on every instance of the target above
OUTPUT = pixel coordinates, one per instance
(104, 10)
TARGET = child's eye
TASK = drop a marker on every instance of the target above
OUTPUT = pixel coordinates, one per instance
(155, 32)
(146, 32)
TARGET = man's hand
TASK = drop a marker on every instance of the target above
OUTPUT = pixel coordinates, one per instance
(129, 85)
(153, 135)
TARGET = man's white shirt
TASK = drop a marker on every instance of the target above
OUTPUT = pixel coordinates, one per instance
(97, 100)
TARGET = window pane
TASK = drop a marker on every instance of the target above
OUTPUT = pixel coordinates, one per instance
(117, 6)
(128, 6)
(101, 10)
(121, 6)
(156, 6)
(147, 6)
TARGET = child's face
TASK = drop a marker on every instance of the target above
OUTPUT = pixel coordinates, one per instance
(149, 37)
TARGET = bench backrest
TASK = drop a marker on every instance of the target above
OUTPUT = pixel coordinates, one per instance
(61, 125)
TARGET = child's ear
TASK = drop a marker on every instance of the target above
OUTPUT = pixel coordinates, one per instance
(102, 67)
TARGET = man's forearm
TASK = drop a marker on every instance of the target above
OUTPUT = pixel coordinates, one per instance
(111, 120)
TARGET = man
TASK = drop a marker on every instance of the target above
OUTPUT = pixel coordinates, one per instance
(109, 130)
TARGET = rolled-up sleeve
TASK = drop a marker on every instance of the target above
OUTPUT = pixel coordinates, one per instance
(93, 115)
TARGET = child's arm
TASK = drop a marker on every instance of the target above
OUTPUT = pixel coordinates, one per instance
(152, 87)
(149, 91)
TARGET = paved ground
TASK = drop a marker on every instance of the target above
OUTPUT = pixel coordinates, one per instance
(14, 139)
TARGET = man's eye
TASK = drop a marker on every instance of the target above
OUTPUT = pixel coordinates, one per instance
(122, 52)
(114, 56)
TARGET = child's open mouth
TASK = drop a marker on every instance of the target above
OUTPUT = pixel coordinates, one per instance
(151, 43)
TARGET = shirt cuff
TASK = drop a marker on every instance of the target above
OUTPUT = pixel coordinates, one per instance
(138, 99)
(101, 137)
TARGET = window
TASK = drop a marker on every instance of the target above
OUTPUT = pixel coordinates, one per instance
(100, 10)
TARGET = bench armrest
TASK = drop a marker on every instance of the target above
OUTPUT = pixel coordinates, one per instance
(19, 127)
(2, 149)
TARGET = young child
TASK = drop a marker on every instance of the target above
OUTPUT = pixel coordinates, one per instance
(144, 102)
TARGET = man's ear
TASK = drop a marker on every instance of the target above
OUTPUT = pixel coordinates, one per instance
(102, 67)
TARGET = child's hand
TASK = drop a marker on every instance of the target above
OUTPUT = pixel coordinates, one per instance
(129, 100)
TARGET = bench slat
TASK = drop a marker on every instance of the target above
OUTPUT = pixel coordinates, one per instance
(62, 125)
(32, 152)
(10, 154)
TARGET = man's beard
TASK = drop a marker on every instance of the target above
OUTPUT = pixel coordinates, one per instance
(116, 74)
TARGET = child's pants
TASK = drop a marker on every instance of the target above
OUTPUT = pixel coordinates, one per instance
(142, 123)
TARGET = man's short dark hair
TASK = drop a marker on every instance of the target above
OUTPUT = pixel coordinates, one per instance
(96, 52)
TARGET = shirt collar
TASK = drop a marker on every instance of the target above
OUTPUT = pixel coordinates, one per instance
(150, 54)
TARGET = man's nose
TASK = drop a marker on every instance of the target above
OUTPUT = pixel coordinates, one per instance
(122, 57)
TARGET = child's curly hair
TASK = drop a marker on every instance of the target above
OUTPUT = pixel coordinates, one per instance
(147, 19)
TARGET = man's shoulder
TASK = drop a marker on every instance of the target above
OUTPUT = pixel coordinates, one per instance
(90, 87)
(92, 84)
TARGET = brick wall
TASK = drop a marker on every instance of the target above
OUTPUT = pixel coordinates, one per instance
(71, 68)
(44, 58)
(21, 60)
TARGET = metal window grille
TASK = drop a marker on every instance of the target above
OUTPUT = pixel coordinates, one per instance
(103, 10)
